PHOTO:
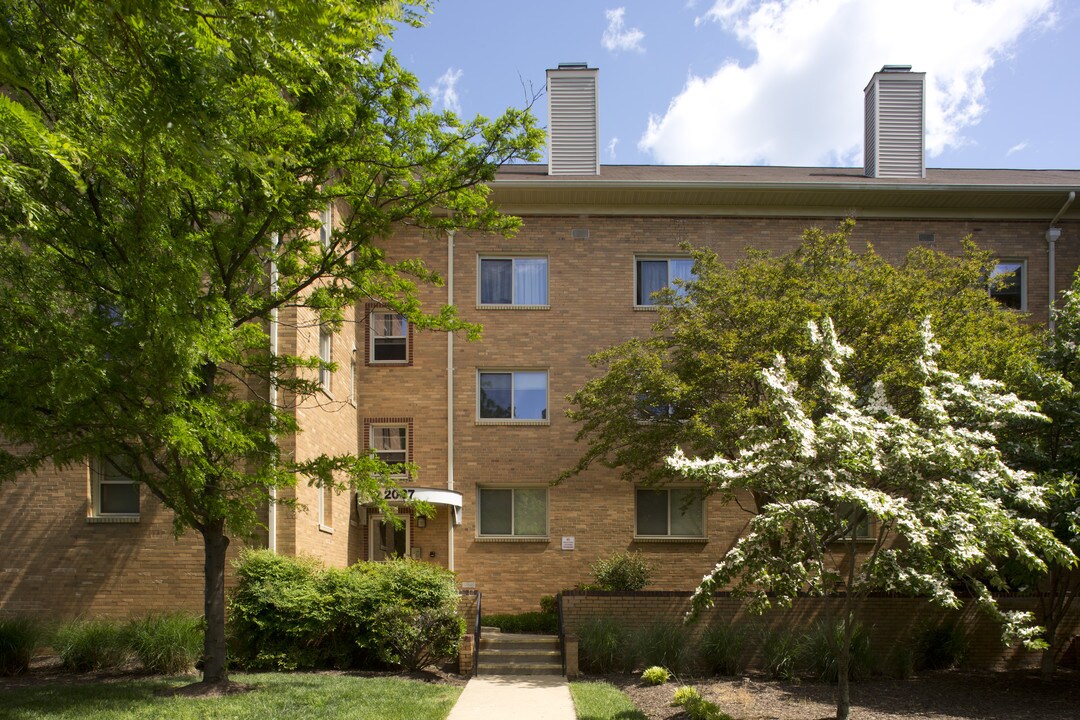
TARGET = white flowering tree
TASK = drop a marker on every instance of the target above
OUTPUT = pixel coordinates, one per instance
(853, 497)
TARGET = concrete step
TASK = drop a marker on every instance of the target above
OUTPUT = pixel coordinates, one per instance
(513, 654)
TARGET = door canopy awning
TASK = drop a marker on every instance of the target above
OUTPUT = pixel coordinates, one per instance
(435, 496)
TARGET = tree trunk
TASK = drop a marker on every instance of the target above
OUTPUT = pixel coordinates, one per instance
(215, 543)
(1047, 663)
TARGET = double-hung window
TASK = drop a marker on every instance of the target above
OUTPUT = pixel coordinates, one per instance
(521, 281)
(390, 444)
(669, 513)
(326, 226)
(389, 337)
(113, 492)
(512, 395)
(654, 274)
(326, 355)
(1009, 284)
(513, 512)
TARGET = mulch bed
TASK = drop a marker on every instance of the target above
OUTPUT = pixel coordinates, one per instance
(951, 695)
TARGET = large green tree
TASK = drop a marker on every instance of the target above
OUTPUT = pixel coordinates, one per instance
(158, 159)
(695, 379)
(931, 486)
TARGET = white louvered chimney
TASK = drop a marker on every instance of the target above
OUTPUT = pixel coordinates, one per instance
(573, 120)
(895, 102)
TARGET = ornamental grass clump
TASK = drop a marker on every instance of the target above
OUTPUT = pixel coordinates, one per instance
(605, 646)
(667, 644)
(85, 645)
(721, 649)
(167, 644)
(19, 638)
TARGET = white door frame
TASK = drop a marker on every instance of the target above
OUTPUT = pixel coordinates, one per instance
(374, 541)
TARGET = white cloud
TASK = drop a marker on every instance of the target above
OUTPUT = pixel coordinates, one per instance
(1017, 148)
(611, 147)
(444, 91)
(800, 101)
(617, 36)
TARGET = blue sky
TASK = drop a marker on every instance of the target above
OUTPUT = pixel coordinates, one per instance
(755, 82)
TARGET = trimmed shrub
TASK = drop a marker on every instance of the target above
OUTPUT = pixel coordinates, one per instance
(939, 645)
(167, 644)
(622, 571)
(415, 638)
(667, 644)
(655, 675)
(290, 613)
(19, 638)
(604, 646)
(721, 649)
(530, 622)
(85, 645)
(821, 660)
(549, 605)
(781, 650)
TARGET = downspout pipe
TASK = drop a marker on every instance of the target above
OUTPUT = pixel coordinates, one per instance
(271, 514)
(1052, 235)
(450, 397)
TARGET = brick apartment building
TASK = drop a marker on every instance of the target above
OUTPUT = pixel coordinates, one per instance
(485, 421)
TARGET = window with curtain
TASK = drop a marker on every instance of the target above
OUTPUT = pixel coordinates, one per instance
(514, 281)
(390, 444)
(655, 274)
(513, 395)
(669, 512)
(389, 337)
(513, 512)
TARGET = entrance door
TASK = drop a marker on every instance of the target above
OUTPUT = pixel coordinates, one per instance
(386, 541)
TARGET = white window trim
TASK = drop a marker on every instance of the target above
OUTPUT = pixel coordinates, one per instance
(512, 420)
(326, 377)
(97, 479)
(371, 443)
(372, 337)
(326, 226)
(669, 537)
(352, 377)
(654, 258)
(1023, 263)
(511, 305)
(546, 537)
(324, 526)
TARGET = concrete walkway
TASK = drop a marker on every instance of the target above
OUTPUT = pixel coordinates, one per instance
(514, 697)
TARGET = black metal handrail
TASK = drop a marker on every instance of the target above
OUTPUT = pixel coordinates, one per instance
(562, 632)
(476, 636)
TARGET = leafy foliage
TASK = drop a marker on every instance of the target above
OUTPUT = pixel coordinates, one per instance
(709, 344)
(655, 675)
(939, 645)
(160, 162)
(291, 613)
(542, 623)
(622, 571)
(933, 482)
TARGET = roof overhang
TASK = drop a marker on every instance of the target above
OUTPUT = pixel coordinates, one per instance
(789, 192)
(396, 497)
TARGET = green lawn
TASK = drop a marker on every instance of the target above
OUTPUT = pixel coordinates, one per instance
(602, 701)
(287, 696)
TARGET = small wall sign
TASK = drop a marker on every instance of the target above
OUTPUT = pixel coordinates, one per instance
(568, 542)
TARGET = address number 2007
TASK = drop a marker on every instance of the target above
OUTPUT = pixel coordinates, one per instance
(396, 494)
